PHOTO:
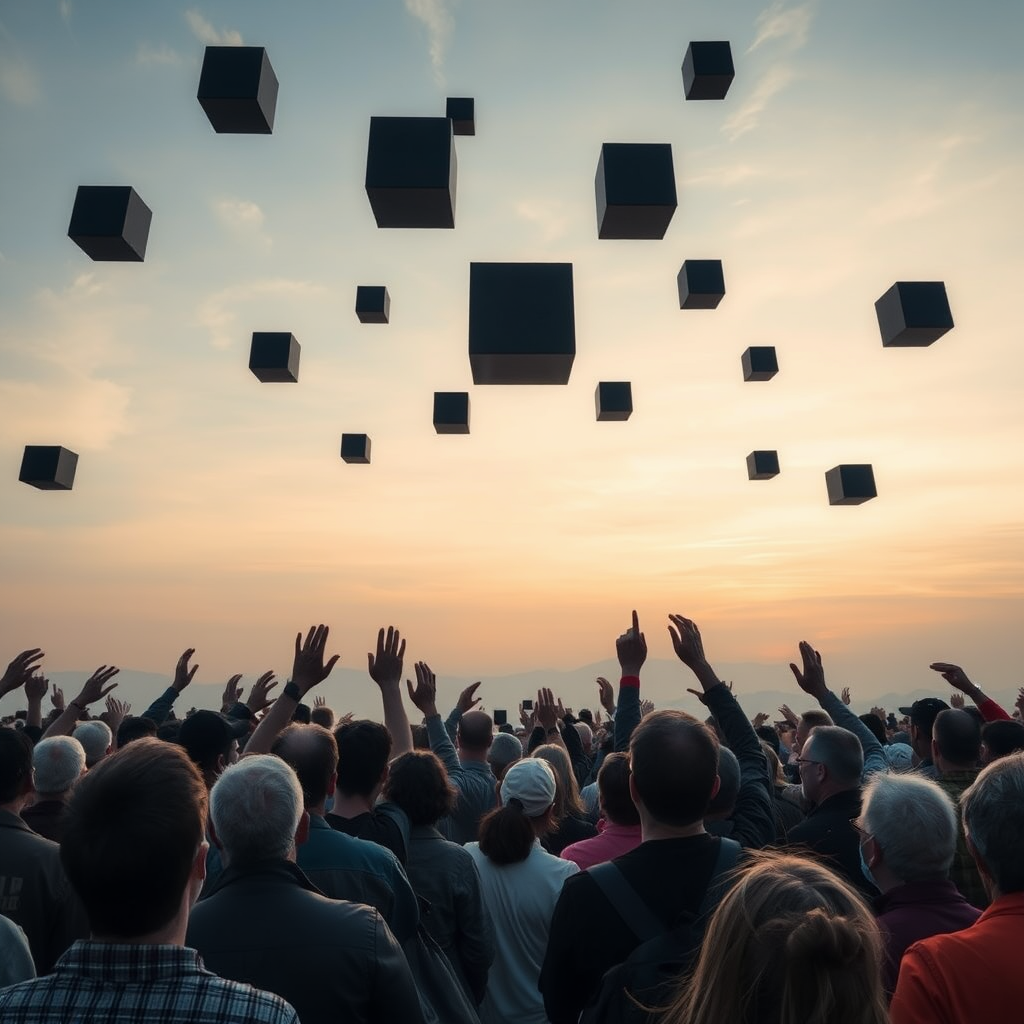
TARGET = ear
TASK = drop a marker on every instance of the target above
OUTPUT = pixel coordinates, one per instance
(872, 852)
(199, 864)
(633, 795)
(716, 787)
(332, 784)
(935, 750)
(302, 832)
(986, 876)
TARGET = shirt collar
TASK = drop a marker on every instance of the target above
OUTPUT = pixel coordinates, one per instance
(128, 963)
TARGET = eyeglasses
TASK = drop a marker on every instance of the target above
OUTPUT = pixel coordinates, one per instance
(807, 760)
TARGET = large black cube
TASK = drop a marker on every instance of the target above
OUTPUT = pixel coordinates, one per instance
(355, 448)
(522, 323)
(238, 90)
(614, 400)
(913, 314)
(760, 363)
(373, 304)
(762, 465)
(274, 357)
(110, 222)
(701, 284)
(460, 109)
(636, 190)
(48, 467)
(410, 172)
(451, 412)
(850, 485)
(708, 71)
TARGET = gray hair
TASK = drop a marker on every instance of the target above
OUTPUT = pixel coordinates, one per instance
(256, 806)
(993, 810)
(839, 750)
(57, 762)
(95, 737)
(914, 822)
(586, 735)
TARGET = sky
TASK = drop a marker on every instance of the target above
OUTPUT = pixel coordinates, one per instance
(859, 145)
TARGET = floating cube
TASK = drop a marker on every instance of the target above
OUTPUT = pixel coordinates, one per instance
(110, 222)
(522, 323)
(760, 363)
(913, 314)
(451, 412)
(460, 110)
(355, 448)
(707, 71)
(636, 190)
(238, 90)
(48, 467)
(410, 172)
(274, 357)
(614, 400)
(850, 485)
(762, 465)
(373, 304)
(701, 284)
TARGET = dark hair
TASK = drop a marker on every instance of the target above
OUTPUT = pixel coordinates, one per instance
(168, 730)
(724, 800)
(957, 736)
(313, 752)
(475, 729)
(132, 829)
(419, 785)
(1003, 738)
(613, 787)
(420, 739)
(507, 835)
(15, 764)
(876, 725)
(506, 727)
(135, 727)
(364, 748)
(322, 716)
(586, 715)
(302, 714)
(771, 736)
(674, 761)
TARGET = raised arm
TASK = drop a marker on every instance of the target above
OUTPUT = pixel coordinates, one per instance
(631, 650)
(957, 678)
(20, 670)
(183, 675)
(385, 668)
(94, 689)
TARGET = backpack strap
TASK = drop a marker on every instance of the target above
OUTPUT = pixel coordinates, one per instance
(728, 857)
(627, 902)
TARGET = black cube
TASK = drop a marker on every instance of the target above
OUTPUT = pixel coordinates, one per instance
(701, 284)
(451, 412)
(373, 304)
(762, 465)
(850, 485)
(760, 363)
(355, 448)
(238, 90)
(707, 71)
(614, 400)
(522, 323)
(913, 314)
(636, 190)
(459, 109)
(48, 467)
(110, 222)
(274, 357)
(410, 172)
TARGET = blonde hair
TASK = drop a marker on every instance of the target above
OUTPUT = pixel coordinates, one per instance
(790, 943)
(567, 792)
(778, 776)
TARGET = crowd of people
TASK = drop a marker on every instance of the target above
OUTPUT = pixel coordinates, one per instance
(271, 861)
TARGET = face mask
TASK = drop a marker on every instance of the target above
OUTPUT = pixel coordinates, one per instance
(864, 867)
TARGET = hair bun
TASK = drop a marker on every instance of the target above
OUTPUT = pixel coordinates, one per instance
(825, 940)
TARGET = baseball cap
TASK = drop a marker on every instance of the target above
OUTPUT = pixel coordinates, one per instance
(924, 712)
(205, 734)
(532, 783)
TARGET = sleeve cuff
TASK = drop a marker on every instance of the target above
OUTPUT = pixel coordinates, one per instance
(630, 682)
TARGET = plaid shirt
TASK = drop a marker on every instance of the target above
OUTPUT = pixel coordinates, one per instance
(108, 983)
(964, 872)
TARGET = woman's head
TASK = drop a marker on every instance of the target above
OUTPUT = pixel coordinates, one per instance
(790, 943)
(527, 794)
(567, 792)
(418, 783)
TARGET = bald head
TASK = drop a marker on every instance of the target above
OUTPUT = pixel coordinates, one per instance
(313, 752)
(474, 735)
(956, 740)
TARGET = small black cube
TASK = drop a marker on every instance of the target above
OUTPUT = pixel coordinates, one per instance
(707, 71)
(760, 363)
(451, 412)
(701, 284)
(635, 189)
(522, 323)
(762, 465)
(913, 314)
(373, 304)
(411, 171)
(48, 467)
(274, 357)
(238, 90)
(355, 448)
(614, 400)
(460, 111)
(110, 223)
(850, 485)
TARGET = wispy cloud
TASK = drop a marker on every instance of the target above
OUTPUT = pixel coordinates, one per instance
(439, 22)
(774, 80)
(163, 54)
(219, 313)
(239, 213)
(547, 215)
(204, 31)
(791, 24)
(19, 84)
(65, 11)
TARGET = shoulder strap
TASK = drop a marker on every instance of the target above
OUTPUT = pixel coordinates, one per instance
(625, 899)
(728, 856)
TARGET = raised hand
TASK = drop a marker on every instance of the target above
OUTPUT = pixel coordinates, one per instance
(955, 676)
(308, 668)
(346, 719)
(528, 718)
(759, 719)
(258, 696)
(686, 641)
(35, 688)
(880, 712)
(812, 679)
(182, 673)
(956, 700)
(789, 715)
(424, 696)
(631, 649)
(319, 702)
(117, 712)
(385, 667)
(468, 699)
(93, 689)
(1020, 701)
(232, 692)
(57, 698)
(20, 670)
(546, 710)
(606, 695)
(845, 696)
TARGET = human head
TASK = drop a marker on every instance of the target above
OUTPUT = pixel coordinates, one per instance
(134, 727)
(96, 739)
(256, 809)
(956, 740)
(211, 740)
(770, 735)
(505, 751)
(134, 845)
(789, 943)
(809, 720)
(909, 830)
(673, 762)
(993, 815)
(364, 748)
(876, 725)
(313, 754)
(15, 767)
(724, 800)
(831, 761)
(586, 736)
(613, 790)
(999, 739)
(58, 763)
(527, 795)
(418, 783)
(922, 714)
(473, 735)
(567, 792)
(322, 716)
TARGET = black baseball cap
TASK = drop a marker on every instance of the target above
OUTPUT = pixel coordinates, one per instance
(924, 712)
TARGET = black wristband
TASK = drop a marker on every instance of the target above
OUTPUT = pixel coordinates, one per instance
(292, 690)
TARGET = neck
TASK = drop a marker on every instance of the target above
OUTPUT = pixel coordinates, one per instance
(350, 806)
(17, 805)
(827, 791)
(319, 809)
(479, 756)
(651, 830)
(945, 766)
